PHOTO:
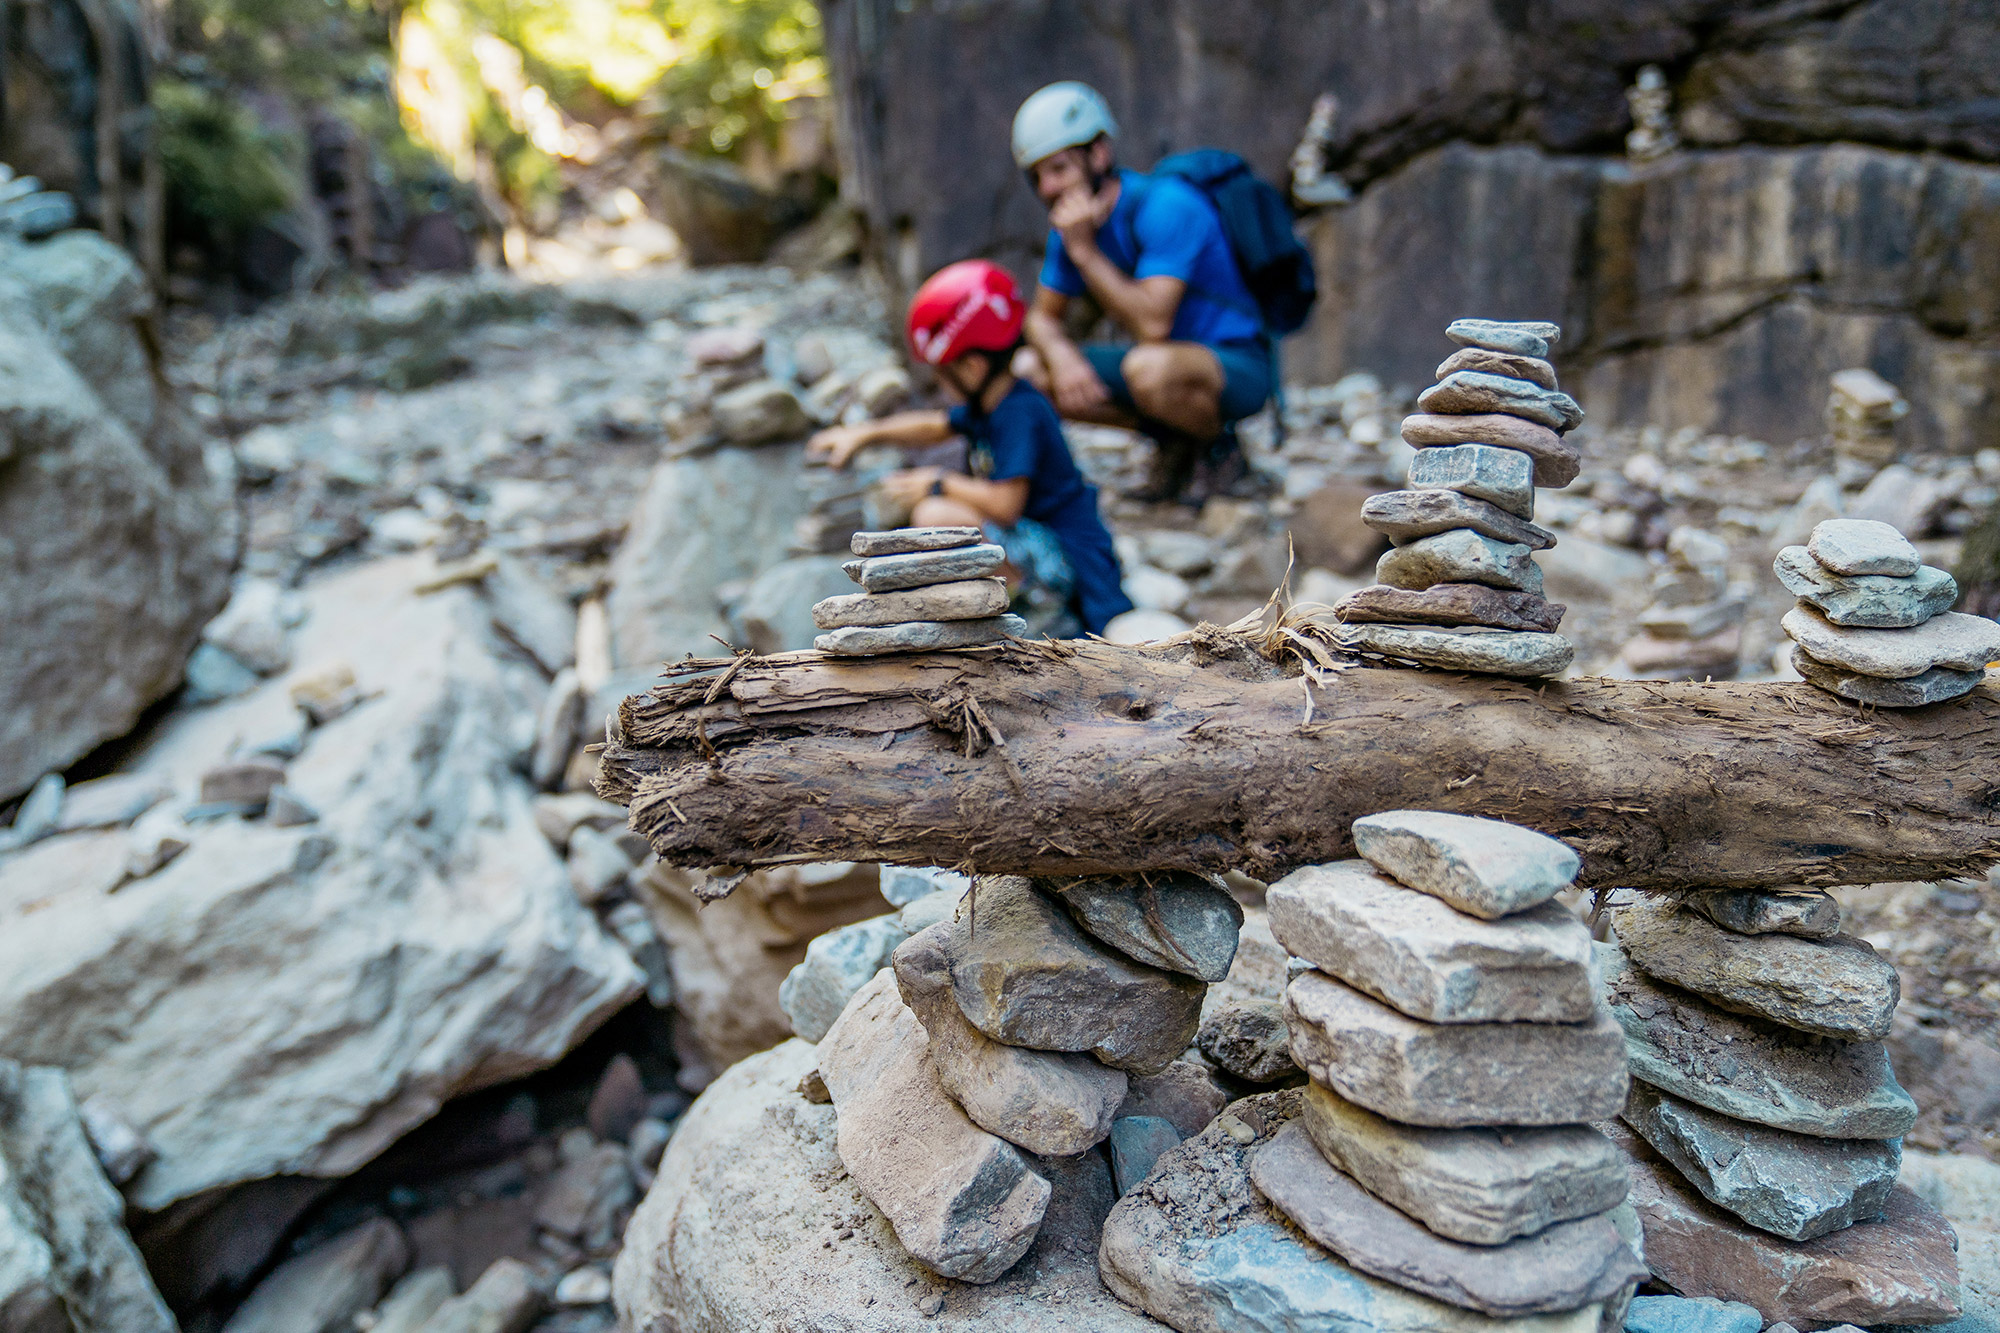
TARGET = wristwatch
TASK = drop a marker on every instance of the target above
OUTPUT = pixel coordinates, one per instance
(937, 484)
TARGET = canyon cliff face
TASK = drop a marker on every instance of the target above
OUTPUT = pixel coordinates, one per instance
(1835, 200)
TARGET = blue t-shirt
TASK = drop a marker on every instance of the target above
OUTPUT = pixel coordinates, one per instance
(1022, 437)
(1163, 226)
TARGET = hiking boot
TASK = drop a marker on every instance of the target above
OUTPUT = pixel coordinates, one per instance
(1174, 466)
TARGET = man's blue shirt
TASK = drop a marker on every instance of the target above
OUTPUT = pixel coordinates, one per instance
(1163, 226)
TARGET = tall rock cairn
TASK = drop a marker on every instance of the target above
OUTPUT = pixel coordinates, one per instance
(1872, 623)
(1453, 1030)
(1694, 628)
(1461, 589)
(924, 589)
(1012, 1035)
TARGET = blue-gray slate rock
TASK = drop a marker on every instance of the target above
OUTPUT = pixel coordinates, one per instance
(1867, 601)
(1690, 1314)
(1136, 1143)
(1171, 919)
(1522, 338)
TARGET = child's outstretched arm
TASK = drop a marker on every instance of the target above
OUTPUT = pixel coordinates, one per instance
(837, 444)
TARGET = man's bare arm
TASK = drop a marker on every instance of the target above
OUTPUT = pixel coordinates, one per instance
(1073, 382)
(1145, 306)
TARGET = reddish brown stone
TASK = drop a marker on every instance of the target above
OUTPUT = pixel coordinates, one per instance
(1900, 1269)
(1451, 604)
(1556, 461)
(1530, 368)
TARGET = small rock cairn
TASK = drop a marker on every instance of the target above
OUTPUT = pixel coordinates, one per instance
(1862, 410)
(1037, 1022)
(1454, 1032)
(1461, 590)
(1695, 625)
(1872, 623)
(925, 588)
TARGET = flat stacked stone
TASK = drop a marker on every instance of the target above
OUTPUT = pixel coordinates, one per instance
(1460, 591)
(1449, 1016)
(924, 589)
(1873, 622)
(1760, 1080)
(1694, 627)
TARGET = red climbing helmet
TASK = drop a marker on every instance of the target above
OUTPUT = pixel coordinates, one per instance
(970, 306)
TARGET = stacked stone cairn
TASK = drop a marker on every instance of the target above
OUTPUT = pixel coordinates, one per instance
(1461, 590)
(1453, 1029)
(923, 589)
(1862, 410)
(1694, 628)
(1872, 622)
(1044, 1017)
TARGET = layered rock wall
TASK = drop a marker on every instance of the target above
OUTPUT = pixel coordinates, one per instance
(1834, 204)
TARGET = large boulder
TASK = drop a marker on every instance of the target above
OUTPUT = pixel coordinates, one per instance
(115, 537)
(288, 1000)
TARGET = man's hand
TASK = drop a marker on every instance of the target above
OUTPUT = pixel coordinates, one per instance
(836, 445)
(1074, 383)
(1077, 214)
(910, 485)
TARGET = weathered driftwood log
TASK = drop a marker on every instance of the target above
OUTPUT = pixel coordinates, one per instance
(1207, 754)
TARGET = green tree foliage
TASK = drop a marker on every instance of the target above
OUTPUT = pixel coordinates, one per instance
(223, 167)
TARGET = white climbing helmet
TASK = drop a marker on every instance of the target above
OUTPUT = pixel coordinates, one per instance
(1062, 115)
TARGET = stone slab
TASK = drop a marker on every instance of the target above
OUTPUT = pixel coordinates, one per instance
(1531, 368)
(1485, 867)
(1406, 516)
(1899, 1269)
(1476, 392)
(919, 636)
(1492, 652)
(1556, 461)
(1835, 987)
(1750, 1069)
(1792, 1185)
(1717, 652)
(1199, 1248)
(1862, 546)
(967, 599)
(1451, 604)
(1570, 1264)
(1505, 477)
(1460, 556)
(1691, 1314)
(1047, 1102)
(1174, 920)
(1136, 1144)
(1429, 960)
(1520, 337)
(1247, 1038)
(1936, 686)
(962, 1201)
(1949, 639)
(899, 541)
(1874, 601)
(1698, 621)
(1808, 913)
(915, 569)
(1028, 975)
(1484, 1186)
(1451, 1075)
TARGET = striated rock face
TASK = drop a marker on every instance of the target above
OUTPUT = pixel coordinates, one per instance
(115, 538)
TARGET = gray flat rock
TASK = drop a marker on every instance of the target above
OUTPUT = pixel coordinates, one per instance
(1505, 477)
(1692, 1314)
(837, 964)
(1493, 652)
(1047, 1102)
(1405, 516)
(1460, 556)
(1835, 987)
(1570, 1264)
(1450, 1075)
(1170, 919)
(1522, 337)
(1791, 1185)
(1136, 1144)
(1950, 639)
(898, 541)
(1472, 392)
(1808, 913)
(1485, 867)
(1936, 686)
(1557, 461)
(919, 636)
(1429, 960)
(1028, 975)
(1248, 1039)
(1483, 1186)
(1749, 1069)
(1869, 601)
(967, 599)
(915, 569)
(961, 1200)
(1531, 368)
(1862, 546)
(1451, 604)
(1697, 621)
(1200, 1249)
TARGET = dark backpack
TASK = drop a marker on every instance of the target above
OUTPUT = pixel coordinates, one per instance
(1257, 220)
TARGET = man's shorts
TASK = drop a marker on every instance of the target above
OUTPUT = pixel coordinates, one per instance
(1246, 375)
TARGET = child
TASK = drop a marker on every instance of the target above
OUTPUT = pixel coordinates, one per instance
(1025, 490)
